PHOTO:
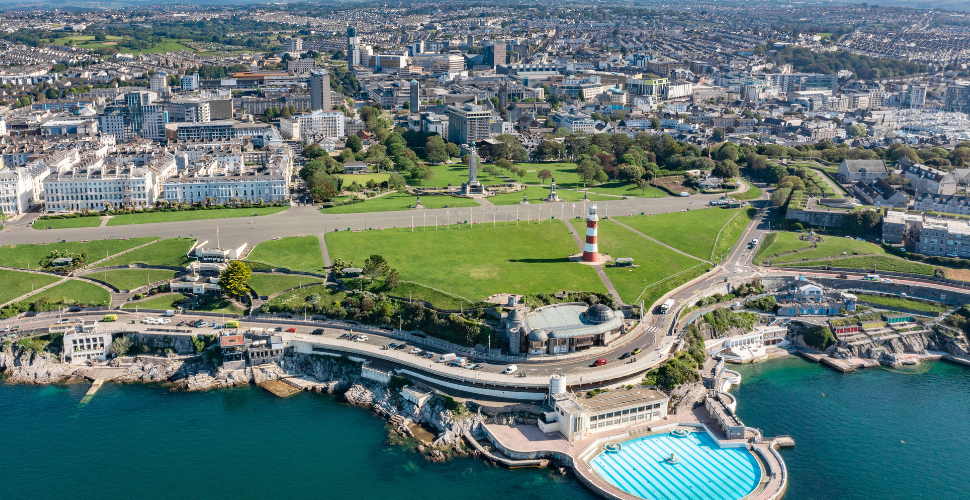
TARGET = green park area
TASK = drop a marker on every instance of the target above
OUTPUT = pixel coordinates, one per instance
(201, 214)
(652, 262)
(215, 304)
(316, 295)
(620, 188)
(298, 253)
(695, 231)
(74, 292)
(268, 284)
(753, 193)
(88, 42)
(30, 255)
(168, 252)
(164, 302)
(16, 284)
(565, 176)
(535, 195)
(901, 303)
(400, 201)
(130, 279)
(67, 223)
(834, 251)
(362, 178)
(475, 262)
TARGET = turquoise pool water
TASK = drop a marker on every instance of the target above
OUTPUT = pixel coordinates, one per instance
(705, 471)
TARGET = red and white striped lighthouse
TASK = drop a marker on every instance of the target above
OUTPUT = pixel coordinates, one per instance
(591, 251)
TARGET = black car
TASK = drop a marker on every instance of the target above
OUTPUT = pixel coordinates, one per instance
(279, 328)
(401, 346)
(627, 355)
(318, 331)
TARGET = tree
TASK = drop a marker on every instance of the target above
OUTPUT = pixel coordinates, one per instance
(718, 134)
(354, 143)
(544, 174)
(452, 149)
(396, 181)
(375, 266)
(120, 346)
(655, 123)
(601, 177)
(233, 279)
(726, 169)
(728, 152)
(780, 196)
(347, 154)
(643, 185)
(435, 150)
(428, 174)
(587, 170)
(857, 130)
(392, 280)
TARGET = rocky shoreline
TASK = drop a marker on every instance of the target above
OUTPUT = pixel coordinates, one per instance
(323, 374)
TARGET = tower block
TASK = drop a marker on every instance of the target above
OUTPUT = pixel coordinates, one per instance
(591, 251)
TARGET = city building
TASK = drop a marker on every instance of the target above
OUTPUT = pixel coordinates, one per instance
(190, 82)
(320, 91)
(83, 344)
(880, 194)
(294, 44)
(209, 180)
(562, 328)
(862, 170)
(300, 127)
(468, 123)
(576, 417)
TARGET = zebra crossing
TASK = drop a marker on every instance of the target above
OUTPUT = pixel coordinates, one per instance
(652, 328)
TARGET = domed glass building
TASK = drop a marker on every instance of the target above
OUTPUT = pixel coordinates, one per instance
(562, 328)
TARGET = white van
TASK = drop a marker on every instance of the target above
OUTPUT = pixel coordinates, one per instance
(170, 313)
(511, 369)
(684, 194)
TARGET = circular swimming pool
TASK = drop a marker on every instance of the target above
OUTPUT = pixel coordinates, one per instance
(700, 469)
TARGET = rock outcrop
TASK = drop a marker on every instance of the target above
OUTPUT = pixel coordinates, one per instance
(26, 366)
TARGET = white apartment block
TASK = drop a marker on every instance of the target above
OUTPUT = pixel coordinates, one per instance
(578, 122)
(81, 346)
(299, 127)
(221, 182)
(15, 191)
(98, 187)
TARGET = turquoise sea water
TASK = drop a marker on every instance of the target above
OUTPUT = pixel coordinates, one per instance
(147, 443)
(876, 433)
(704, 470)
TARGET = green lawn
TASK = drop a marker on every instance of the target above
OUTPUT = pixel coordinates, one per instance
(16, 283)
(215, 213)
(832, 246)
(218, 305)
(454, 175)
(564, 174)
(477, 262)
(776, 243)
(67, 223)
(410, 290)
(623, 188)
(299, 253)
(400, 201)
(536, 194)
(75, 292)
(915, 305)
(296, 299)
(88, 42)
(732, 231)
(655, 262)
(129, 279)
(170, 252)
(753, 193)
(362, 178)
(877, 262)
(268, 284)
(692, 232)
(165, 302)
(20, 255)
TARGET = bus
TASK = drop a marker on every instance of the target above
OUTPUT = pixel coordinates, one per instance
(232, 323)
(666, 306)
(110, 317)
(871, 277)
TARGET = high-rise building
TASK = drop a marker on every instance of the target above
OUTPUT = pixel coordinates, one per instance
(467, 124)
(958, 97)
(294, 44)
(417, 48)
(159, 83)
(320, 90)
(190, 82)
(917, 96)
(353, 47)
(414, 96)
(494, 53)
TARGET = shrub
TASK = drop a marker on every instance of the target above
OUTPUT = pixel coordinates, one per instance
(120, 346)
(819, 337)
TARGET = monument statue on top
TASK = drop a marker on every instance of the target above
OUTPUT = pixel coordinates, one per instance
(472, 188)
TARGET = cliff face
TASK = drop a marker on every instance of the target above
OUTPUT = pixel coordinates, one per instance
(25, 366)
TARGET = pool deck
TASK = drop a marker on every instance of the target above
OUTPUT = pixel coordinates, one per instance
(529, 440)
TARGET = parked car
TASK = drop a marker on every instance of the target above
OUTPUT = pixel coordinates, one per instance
(279, 328)
(318, 331)
(599, 362)
(401, 347)
(511, 369)
(291, 330)
(415, 351)
(361, 338)
(392, 345)
(626, 355)
(844, 276)
(637, 350)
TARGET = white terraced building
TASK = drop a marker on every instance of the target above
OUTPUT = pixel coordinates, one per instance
(223, 182)
(118, 181)
(299, 127)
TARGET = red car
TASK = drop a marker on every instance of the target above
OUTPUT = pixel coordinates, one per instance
(291, 330)
(599, 362)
